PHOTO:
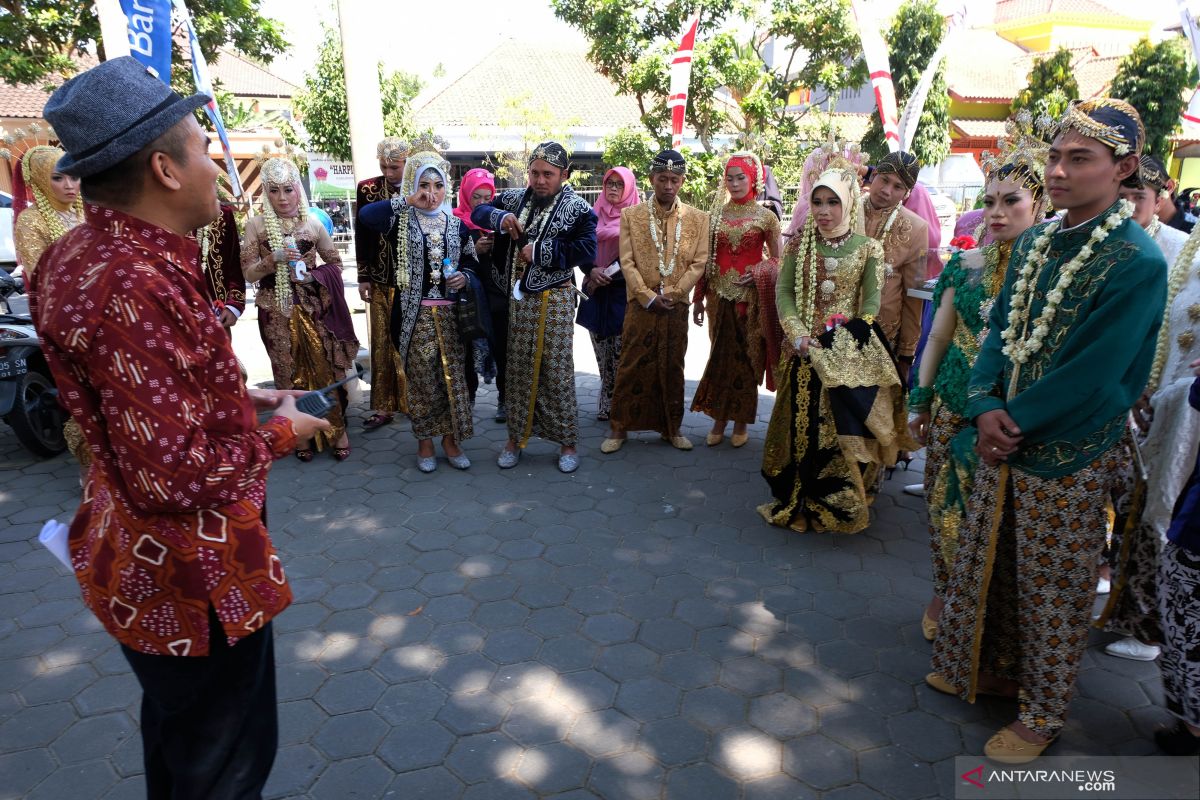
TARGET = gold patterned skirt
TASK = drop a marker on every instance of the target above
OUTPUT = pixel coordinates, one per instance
(945, 515)
(540, 375)
(438, 401)
(728, 390)
(304, 353)
(838, 412)
(649, 386)
(387, 373)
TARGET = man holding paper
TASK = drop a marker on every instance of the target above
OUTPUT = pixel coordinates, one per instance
(664, 247)
(169, 544)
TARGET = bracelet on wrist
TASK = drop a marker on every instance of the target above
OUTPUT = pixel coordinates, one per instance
(920, 398)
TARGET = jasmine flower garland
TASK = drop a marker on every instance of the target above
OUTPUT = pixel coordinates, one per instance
(1019, 351)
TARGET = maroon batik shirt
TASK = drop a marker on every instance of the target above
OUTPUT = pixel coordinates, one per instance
(171, 518)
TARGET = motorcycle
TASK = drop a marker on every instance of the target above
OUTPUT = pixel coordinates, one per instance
(28, 396)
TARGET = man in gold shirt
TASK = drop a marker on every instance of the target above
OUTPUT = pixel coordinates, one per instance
(905, 240)
(663, 248)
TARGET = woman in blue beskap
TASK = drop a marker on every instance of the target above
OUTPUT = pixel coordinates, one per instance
(433, 253)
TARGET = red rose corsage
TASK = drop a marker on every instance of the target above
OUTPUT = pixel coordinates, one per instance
(963, 242)
(836, 321)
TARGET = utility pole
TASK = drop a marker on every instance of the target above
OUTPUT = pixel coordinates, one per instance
(363, 104)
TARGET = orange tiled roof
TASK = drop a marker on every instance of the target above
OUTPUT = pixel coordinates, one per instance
(979, 128)
(985, 67)
(1015, 10)
(242, 77)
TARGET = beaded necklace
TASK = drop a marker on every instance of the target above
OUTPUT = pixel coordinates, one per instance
(665, 269)
(275, 233)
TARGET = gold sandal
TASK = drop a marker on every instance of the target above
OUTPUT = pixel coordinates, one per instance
(1007, 747)
(928, 626)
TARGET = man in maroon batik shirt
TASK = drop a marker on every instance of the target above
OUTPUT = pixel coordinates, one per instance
(169, 544)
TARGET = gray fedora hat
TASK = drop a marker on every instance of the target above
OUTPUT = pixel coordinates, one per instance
(105, 115)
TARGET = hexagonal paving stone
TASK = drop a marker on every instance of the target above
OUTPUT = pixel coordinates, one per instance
(484, 757)
(647, 699)
(666, 635)
(298, 721)
(603, 733)
(469, 672)
(93, 737)
(629, 775)
(568, 653)
(353, 779)
(782, 715)
(520, 681)
(351, 691)
(464, 713)
(751, 676)
(433, 783)
(538, 720)
(608, 629)
(689, 670)
(457, 637)
(700, 780)
(746, 753)
(414, 745)
(553, 767)
(350, 735)
(714, 707)
(511, 646)
(819, 761)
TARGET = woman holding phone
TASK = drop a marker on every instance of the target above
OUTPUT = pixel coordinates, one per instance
(603, 313)
(302, 313)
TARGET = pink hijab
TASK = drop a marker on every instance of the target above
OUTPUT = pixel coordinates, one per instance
(470, 182)
(608, 216)
(920, 203)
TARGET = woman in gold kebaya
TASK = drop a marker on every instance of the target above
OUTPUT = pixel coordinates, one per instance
(839, 412)
(302, 313)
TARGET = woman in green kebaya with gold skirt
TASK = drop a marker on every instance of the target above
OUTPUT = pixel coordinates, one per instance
(839, 412)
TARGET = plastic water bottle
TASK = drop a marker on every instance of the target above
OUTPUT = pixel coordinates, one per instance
(298, 267)
(449, 269)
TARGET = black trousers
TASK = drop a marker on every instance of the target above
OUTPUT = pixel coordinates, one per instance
(498, 305)
(210, 727)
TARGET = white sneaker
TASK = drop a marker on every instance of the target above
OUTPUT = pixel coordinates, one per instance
(915, 489)
(1103, 586)
(1132, 649)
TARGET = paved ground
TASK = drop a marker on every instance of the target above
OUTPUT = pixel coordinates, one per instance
(630, 631)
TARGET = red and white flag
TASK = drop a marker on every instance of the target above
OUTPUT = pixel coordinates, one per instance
(1192, 112)
(681, 76)
(876, 52)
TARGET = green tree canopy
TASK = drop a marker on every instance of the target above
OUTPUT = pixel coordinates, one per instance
(1152, 78)
(1051, 86)
(914, 35)
(735, 87)
(321, 105)
(40, 39)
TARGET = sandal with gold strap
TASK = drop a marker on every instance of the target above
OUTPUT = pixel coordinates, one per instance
(1007, 747)
(928, 626)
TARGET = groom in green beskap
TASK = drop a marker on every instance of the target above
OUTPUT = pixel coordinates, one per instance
(1070, 343)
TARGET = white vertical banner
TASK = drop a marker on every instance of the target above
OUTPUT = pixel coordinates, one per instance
(364, 106)
(1192, 32)
(114, 28)
(681, 76)
(956, 22)
(876, 52)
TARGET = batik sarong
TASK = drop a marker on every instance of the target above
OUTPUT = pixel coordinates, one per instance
(438, 400)
(649, 386)
(540, 392)
(728, 389)
(608, 357)
(387, 374)
(945, 516)
(1179, 608)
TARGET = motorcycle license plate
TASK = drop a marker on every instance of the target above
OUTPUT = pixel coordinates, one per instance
(12, 368)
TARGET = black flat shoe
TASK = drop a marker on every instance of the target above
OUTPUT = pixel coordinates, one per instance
(1177, 741)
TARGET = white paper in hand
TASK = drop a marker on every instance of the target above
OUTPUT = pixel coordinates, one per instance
(54, 537)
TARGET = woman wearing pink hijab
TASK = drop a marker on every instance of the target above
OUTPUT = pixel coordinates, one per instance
(603, 313)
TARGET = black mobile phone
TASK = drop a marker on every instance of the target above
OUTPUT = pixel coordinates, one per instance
(316, 403)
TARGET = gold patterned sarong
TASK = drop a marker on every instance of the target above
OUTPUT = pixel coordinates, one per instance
(540, 376)
(438, 401)
(649, 387)
(728, 390)
(387, 373)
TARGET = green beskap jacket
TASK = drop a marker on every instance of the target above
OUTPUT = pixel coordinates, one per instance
(1073, 395)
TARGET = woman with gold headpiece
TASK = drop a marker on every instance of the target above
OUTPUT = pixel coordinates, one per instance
(302, 313)
(56, 208)
(838, 408)
(1014, 201)
(433, 254)
(745, 244)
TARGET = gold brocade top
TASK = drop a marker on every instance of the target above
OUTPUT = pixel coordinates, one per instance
(741, 241)
(843, 280)
(33, 234)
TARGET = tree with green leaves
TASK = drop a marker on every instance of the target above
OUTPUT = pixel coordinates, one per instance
(914, 35)
(1051, 86)
(534, 123)
(735, 85)
(321, 105)
(1152, 79)
(40, 40)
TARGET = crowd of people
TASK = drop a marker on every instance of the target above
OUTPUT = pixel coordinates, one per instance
(1050, 380)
